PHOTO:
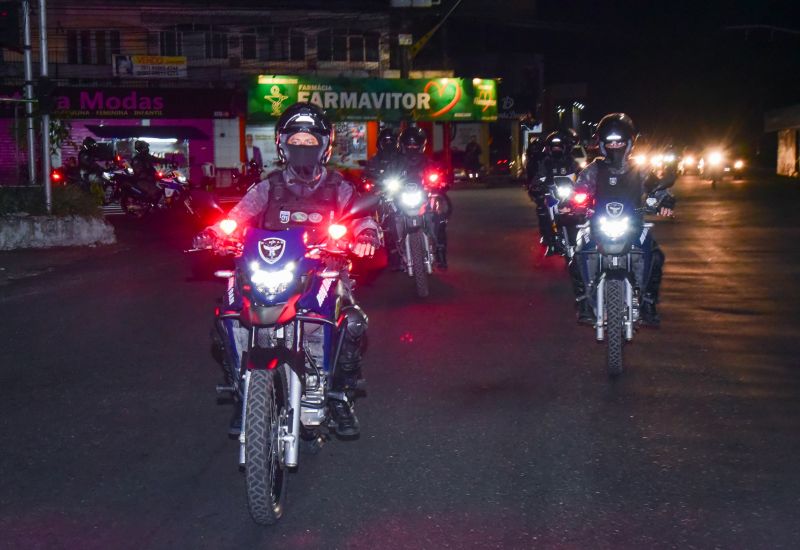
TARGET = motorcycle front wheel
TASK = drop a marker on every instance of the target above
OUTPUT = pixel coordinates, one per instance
(266, 413)
(418, 256)
(615, 320)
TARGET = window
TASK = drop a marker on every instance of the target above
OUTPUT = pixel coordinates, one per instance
(170, 43)
(372, 47)
(325, 46)
(102, 53)
(279, 46)
(216, 45)
(72, 47)
(298, 46)
(249, 50)
(357, 48)
(85, 56)
(340, 46)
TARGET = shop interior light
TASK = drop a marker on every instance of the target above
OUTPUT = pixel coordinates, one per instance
(159, 140)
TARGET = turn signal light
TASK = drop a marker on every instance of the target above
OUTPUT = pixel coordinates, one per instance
(228, 226)
(56, 176)
(337, 231)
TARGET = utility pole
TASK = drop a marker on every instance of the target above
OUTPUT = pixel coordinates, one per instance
(48, 192)
(31, 134)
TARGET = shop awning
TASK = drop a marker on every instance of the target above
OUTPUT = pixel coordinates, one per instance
(160, 132)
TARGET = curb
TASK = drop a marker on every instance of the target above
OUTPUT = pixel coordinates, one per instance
(49, 231)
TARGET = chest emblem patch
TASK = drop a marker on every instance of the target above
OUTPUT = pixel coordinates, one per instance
(285, 216)
(299, 217)
(315, 217)
(612, 180)
(614, 209)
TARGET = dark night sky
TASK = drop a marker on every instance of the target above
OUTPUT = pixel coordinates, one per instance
(670, 64)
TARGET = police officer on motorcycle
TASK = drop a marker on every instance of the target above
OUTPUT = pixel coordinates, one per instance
(144, 169)
(386, 155)
(90, 170)
(413, 162)
(614, 174)
(557, 161)
(304, 139)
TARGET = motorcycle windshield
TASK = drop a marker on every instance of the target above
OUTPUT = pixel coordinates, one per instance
(273, 262)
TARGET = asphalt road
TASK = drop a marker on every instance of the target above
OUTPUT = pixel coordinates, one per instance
(489, 420)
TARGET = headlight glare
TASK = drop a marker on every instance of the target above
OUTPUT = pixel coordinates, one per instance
(563, 192)
(412, 199)
(272, 282)
(614, 228)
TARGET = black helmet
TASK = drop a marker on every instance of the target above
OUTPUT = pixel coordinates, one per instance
(557, 144)
(306, 118)
(387, 141)
(141, 146)
(615, 135)
(89, 142)
(572, 136)
(413, 140)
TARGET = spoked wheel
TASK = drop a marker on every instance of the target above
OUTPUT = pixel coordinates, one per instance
(132, 207)
(615, 310)
(265, 423)
(418, 257)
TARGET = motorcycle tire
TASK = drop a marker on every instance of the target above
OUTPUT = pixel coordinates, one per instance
(133, 208)
(418, 256)
(615, 321)
(266, 475)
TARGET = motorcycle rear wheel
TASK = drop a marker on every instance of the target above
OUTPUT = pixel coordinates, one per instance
(266, 474)
(615, 320)
(418, 256)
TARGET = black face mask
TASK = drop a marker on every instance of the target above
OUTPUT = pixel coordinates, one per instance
(616, 157)
(303, 159)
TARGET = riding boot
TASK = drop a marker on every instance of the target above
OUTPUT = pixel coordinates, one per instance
(649, 314)
(348, 372)
(586, 315)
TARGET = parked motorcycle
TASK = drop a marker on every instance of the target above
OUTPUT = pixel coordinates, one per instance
(614, 256)
(282, 289)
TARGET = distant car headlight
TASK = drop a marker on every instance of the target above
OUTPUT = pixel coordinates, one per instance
(669, 158)
(272, 282)
(656, 160)
(563, 192)
(412, 199)
(640, 159)
(715, 158)
(688, 160)
(738, 165)
(614, 228)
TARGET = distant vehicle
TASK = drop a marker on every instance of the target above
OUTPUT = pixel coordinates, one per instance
(716, 164)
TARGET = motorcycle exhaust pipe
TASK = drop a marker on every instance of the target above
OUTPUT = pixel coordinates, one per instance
(601, 313)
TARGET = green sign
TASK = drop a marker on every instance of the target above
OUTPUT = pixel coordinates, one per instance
(354, 99)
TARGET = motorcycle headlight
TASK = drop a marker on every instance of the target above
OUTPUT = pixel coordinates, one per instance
(563, 192)
(129, 169)
(181, 178)
(412, 199)
(614, 228)
(272, 282)
(107, 175)
(715, 158)
(392, 185)
(738, 165)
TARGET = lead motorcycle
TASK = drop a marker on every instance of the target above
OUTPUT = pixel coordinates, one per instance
(614, 254)
(410, 209)
(283, 288)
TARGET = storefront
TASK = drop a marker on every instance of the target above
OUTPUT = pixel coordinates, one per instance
(359, 107)
(190, 129)
(785, 125)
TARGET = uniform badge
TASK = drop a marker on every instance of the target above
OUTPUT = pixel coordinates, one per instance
(271, 249)
(612, 180)
(563, 171)
(285, 216)
(315, 217)
(299, 217)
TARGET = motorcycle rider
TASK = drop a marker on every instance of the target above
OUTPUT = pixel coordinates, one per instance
(304, 139)
(90, 170)
(386, 155)
(557, 161)
(144, 169)
(413, 162)
(614, 174)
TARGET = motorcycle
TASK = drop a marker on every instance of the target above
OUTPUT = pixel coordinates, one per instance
(243, 182)
(410, 211)
(567, 211)
(282, 289)
(614, 260)
(174, 194)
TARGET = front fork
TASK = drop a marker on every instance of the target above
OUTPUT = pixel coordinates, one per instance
(428, 256)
